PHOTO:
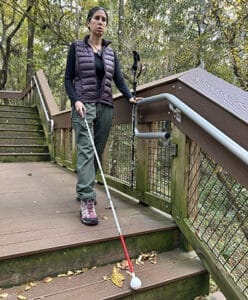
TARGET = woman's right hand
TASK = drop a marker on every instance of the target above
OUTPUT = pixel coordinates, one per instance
(80, 108)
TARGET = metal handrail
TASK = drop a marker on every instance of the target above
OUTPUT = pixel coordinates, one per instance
(51, 121)
(178, 107)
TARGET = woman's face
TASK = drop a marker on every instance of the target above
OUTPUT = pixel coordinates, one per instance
(98, 23)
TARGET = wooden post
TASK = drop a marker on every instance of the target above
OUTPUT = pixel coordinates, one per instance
(74, 150)
(179, 179)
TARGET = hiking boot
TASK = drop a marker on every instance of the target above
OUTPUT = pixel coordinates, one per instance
(88, 213)
(79, 200)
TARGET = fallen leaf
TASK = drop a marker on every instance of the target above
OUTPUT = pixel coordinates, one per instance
(117, 278)
(61, 275)
(139, 260)
(27, 288)
(21, 297)
(69, 273)
(108, 206)
(32, 283)
(47, 279)
(105, 218)
(78, 272)
(123, 265)
(151, 256)
(4, 295)
(153, 261)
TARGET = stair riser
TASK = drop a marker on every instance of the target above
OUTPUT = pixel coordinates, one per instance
(20, 127)
(12, 120)
(187, 288)
(22, 141)
(23, 149)
(19, 134)
(37, 266)
(24, 158)
(19, 114)
(12, 108)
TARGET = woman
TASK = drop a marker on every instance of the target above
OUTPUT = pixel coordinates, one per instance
(91, 67)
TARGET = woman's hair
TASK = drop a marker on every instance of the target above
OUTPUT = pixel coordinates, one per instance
(92, 12)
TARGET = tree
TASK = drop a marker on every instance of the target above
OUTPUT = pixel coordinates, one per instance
(171, 36)
(11, 24)
(30, 45)
(231, 19)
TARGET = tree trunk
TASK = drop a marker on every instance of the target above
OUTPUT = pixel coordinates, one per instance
(120, 25)
(30, 46)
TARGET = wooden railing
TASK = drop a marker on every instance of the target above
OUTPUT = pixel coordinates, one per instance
(191, 175)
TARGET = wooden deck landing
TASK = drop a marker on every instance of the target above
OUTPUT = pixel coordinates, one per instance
(39, 211)
(39, 214)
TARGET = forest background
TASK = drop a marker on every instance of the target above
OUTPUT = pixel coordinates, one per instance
(171, 36)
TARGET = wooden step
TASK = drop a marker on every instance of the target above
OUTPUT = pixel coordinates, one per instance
(19, 148)
(19, 126)
(20, 140)
(6, 119)
(17, 108)
(18, 112)
(41, 233)
(19, 118)
(24, 157)
(20, 133)
(176, 275)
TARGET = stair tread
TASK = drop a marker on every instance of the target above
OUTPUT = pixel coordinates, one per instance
(22, 137)
(21, 130)
(50, 217)
(17, 109)
(170, 266)
(24, 154)
(22, 145)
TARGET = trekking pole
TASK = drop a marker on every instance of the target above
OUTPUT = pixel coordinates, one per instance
(135, 281)
(136, 59)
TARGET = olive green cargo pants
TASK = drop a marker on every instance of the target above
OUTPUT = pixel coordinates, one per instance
(99, 117)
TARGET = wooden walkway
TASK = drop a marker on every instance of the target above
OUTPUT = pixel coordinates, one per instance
(39, 211)
(39, 215)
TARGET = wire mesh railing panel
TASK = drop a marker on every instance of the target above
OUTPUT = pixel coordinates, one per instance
(120, 154)
(218, 211)
(159, 164)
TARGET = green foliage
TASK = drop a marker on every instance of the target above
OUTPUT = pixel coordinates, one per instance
(171, 36)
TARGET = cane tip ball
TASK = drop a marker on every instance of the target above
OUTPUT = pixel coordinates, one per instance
(135, 283)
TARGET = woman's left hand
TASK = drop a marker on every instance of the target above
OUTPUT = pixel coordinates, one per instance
(134, 100)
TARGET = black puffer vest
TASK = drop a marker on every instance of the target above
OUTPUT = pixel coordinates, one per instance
(86, 81)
